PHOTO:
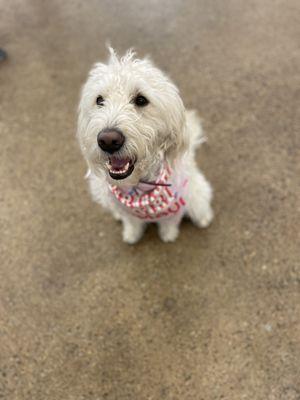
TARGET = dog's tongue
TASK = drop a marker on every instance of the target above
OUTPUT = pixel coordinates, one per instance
(118, 163)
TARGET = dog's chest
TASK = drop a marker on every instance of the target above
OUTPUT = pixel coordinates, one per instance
(152, 202)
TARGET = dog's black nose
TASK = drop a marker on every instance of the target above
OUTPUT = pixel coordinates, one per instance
(110, 140)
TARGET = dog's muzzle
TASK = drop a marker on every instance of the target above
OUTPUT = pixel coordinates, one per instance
(111, 140)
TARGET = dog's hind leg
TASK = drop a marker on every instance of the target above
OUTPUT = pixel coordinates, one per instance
(198, 200)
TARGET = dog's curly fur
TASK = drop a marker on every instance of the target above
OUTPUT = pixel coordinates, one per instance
(161, 132)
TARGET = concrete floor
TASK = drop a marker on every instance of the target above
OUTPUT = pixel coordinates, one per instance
(214, 316)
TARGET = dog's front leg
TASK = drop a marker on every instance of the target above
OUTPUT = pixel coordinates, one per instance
(133, 229)
(168, 229)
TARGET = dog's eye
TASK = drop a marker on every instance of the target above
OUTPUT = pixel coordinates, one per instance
(141, 101)
(100, 101)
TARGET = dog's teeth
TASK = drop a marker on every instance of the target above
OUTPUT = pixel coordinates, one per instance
(118, 171)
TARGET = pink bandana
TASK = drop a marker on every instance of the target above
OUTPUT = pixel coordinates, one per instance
(153, 201)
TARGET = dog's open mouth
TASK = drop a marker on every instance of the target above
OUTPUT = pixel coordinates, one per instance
(120, 168)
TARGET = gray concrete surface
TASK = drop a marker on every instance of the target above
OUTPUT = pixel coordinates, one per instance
(214, 316)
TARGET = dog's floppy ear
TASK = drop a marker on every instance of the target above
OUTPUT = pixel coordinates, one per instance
(176, 142)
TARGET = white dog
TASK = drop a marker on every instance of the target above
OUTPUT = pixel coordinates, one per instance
(139, 143)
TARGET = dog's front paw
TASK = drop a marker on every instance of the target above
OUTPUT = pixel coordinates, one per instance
(132, 233)
(168, 232)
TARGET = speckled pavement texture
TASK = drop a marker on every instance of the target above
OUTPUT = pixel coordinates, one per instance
(214, 316)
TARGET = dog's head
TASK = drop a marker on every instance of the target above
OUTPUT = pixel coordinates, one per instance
(131, 117)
